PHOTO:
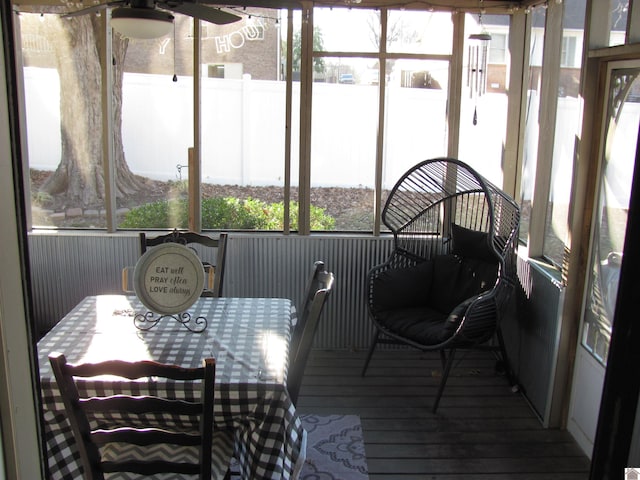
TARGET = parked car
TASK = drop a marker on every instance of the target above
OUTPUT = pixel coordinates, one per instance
(346, 78)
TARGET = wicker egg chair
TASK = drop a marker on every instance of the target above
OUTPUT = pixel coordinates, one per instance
(452, 267)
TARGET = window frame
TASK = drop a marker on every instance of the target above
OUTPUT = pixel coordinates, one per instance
(547, 115)
(501, 51)
(512, 157)
(568, 54)
(454, 61)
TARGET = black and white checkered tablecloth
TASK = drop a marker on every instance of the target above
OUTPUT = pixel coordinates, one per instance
(248, 337)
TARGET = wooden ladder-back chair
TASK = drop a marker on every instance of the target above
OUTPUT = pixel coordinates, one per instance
(317, 291)
(452, 266)
(215, 273)
(123, 424)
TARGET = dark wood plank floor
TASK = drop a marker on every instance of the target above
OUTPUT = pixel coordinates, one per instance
(482, 429)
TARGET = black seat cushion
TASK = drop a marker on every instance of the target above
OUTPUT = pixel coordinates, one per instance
(423, 325)
(426, 303)
(457, 279)
(402, 287)
(450, 326)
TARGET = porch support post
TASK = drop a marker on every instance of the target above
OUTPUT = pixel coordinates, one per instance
(194, 153)
(108, 157)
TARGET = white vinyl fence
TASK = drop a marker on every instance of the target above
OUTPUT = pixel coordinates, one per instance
(243, 129)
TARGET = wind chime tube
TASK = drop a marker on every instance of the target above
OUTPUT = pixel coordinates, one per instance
(483, 72)
(480, 69)
(469, 68)
(472, 69)
(477, 69)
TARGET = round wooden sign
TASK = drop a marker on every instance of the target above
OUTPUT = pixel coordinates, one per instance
(168, 279)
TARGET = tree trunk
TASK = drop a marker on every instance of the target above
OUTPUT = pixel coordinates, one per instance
(126, 182)
(79, 177)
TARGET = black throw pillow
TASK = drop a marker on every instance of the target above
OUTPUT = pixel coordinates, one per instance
(471, 244)
(403, 287)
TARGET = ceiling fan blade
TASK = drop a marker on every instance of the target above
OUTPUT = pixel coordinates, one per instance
(275, 4)
(209, 14)
(94, 8)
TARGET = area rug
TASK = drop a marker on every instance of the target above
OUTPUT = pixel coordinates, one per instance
(335, 448)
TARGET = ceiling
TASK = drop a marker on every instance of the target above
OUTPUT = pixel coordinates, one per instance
(474, 6)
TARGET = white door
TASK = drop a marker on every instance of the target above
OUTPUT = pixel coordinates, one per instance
(617, 156)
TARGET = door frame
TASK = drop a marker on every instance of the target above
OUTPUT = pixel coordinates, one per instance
(619, 402)
(21, 446)
(621, 388)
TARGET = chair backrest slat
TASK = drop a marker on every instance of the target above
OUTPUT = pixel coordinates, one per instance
(128, 406)
(140, 405)
(133, 370)
(150, 467)
(150, 436)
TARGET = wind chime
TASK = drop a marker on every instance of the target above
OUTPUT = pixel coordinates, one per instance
(477, 67)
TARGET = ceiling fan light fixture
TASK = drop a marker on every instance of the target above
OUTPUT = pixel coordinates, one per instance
(142, 23)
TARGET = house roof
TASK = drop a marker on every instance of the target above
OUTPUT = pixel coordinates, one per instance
(574, 15)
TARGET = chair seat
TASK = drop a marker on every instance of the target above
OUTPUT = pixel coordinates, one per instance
(422, 325)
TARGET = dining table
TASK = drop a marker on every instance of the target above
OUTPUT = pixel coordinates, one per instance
(249, 339)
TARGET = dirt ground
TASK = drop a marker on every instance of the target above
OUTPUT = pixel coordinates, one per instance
(352, 208)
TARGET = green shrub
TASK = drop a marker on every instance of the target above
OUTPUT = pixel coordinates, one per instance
(219, 213)
(160, 214)
(319, 220)
(230, 213)
(40, 198)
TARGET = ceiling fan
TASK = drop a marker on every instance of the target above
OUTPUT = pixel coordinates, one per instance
(152, 18)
